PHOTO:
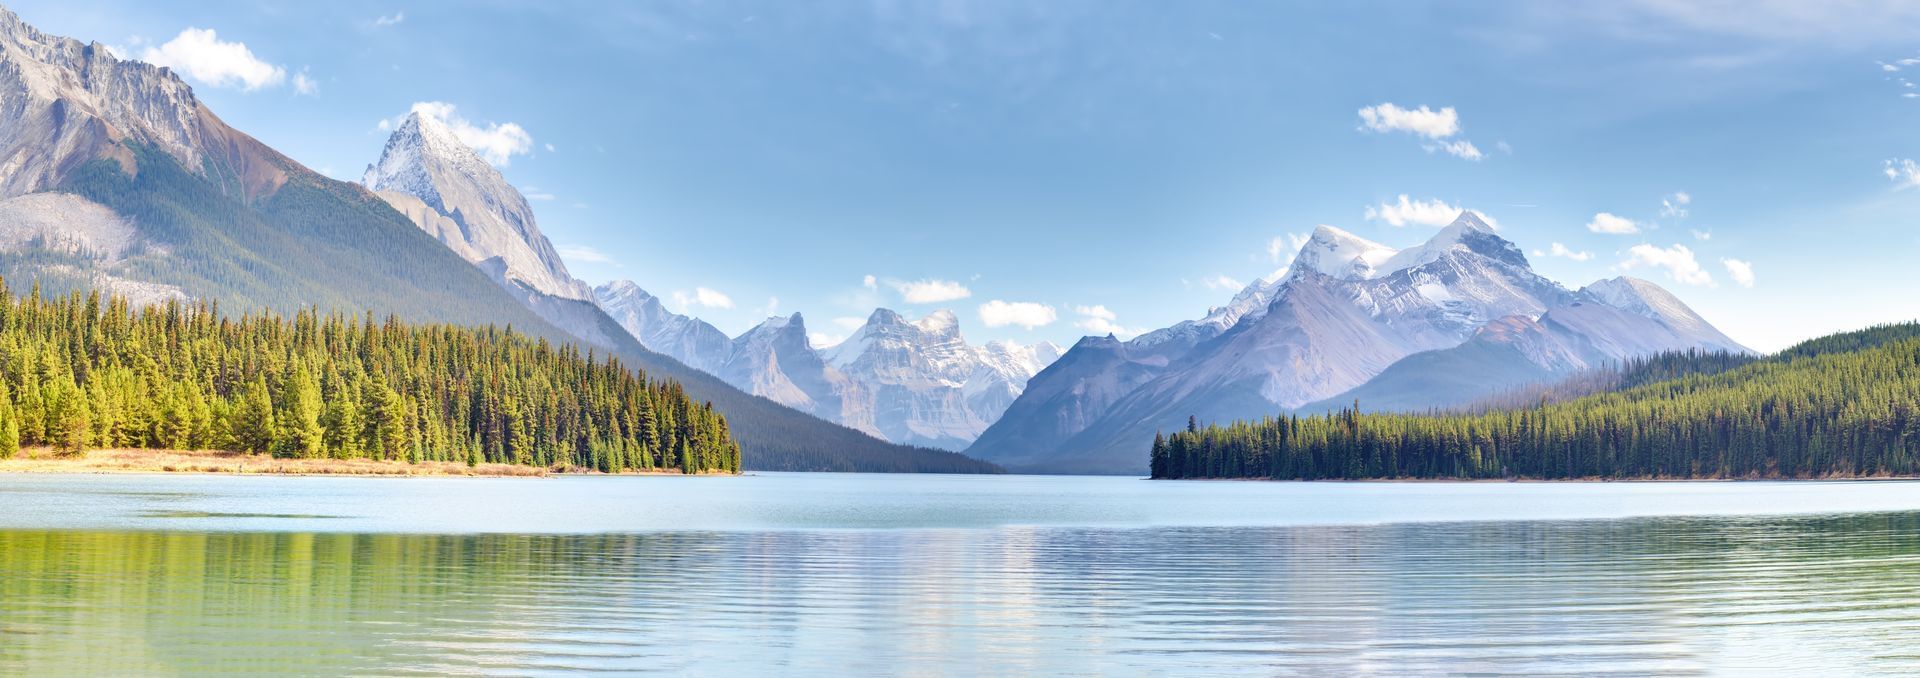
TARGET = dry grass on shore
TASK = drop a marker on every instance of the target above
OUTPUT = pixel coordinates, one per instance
(45, 460)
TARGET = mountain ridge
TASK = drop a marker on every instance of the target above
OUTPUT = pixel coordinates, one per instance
(1345, 312)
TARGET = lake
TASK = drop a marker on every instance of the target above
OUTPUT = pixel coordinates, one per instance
(970, 575)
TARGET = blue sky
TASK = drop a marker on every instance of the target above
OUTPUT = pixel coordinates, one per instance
(1138, 157)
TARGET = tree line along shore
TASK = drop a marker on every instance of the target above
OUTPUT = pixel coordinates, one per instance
(85, 372)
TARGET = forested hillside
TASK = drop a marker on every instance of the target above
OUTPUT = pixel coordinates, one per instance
(1847, 405)
(79, 372)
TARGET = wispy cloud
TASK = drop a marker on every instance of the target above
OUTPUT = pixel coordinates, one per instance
(702, 296)
(1222, 282)
(1407, 212)
(1282, 248)
(1612, 224)
(1564, 252)
(1674, 206)
(393, 19)
(1903, 172)
(1678, 261)
(583, 254)
(929, 291)
(305, 85)
(1740, 271)
(1099, 320)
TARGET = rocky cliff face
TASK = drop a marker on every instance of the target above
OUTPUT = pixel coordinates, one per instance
(449, 191)
(64, 103)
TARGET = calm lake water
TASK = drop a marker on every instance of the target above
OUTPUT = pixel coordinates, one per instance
(857, 575)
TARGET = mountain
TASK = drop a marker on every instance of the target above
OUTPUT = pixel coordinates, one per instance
(913, 382)
(688, 340)
(921, 383)
(1347, 312)
(115, 177)
(1607, 323)
(776, 360)
(447, 189)
(1083, 383)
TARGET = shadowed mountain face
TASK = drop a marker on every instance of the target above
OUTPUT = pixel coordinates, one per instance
(162, 200)
(1348, 311)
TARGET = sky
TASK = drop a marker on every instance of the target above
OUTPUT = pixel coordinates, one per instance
(1055, 169)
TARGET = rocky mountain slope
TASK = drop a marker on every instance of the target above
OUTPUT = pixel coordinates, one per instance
(447, 189)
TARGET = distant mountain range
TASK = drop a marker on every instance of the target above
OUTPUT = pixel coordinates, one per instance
(114, 176)
(1458, 317)
(914, 382)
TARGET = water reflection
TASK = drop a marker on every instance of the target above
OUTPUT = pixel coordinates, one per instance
(1662, 595)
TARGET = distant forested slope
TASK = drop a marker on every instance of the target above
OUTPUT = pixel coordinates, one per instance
(1847, 405)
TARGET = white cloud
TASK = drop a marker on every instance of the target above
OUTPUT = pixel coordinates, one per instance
(929, 291)
(702, 296)
(1565, 252)
(1460, 148)
(1098, 320)
(583, 254)
(390, 20)
(496, 142)
(1677, 260)
(1612, 224)
(532, 193)
(1423, 121)
(1407, 212)
(1740, 271)
(1700, 235)
(1675, 206)
(201, 55)
(551, 149)
(850, 322)
(1904, 173)
(772, 307)
(1221, 282)
(1026, 314)
(304, 85)
(870, 282)
(1282, 248)
(1440, 128)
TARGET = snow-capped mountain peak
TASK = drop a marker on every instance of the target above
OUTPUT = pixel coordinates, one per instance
(1337, 253)
(449, 191)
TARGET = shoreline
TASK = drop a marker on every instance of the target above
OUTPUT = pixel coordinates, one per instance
(216, 462)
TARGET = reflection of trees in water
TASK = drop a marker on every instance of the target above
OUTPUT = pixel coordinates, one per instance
(1659, 594)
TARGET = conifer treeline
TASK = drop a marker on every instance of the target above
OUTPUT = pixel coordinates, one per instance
(80, 372)
(1847, 405)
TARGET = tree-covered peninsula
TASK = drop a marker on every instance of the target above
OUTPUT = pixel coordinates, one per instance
(82, 372)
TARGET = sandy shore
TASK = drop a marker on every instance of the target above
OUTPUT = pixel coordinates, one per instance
(42, 460)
